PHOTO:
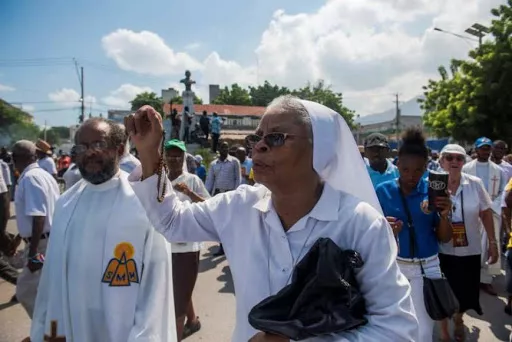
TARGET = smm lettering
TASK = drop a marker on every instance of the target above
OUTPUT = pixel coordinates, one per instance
(120, 277)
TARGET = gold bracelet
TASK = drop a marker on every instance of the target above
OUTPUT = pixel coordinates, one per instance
(493, 242)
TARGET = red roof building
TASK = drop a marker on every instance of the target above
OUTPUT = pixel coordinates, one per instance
(235, 117)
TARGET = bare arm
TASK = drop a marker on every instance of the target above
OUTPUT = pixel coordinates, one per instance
(506, 219)
(488, 222)
(37, 231)
(444, 230)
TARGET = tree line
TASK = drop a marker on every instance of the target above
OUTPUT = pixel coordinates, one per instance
(15, 124)
(473, 97)
(261, 95)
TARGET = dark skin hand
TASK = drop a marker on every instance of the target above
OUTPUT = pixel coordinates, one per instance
(37, 231)
(264, 337)
(183, 188)
(444, 231)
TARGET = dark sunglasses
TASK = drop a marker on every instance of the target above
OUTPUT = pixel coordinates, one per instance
(271, 139)
(458, 158)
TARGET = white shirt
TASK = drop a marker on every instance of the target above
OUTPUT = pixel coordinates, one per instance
(36, 194)
(128, 163)
(476, 200)
(48, 164)
(72, 175)
(196, 185)
(507, 170)
(6, 172)
(3, 184)
(262, 255)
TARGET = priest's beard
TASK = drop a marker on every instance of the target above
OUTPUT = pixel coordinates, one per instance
(108, 171)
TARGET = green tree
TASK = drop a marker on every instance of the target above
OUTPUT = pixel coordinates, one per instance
(179, 100)
(234, 96)
(50, 136)
(15, 125)
(323, 94)
(477, 99)
(148, 98)
(262, 95)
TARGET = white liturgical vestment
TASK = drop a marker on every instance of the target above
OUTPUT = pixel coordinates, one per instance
(108, 273)
(494, 189)
(262, 255)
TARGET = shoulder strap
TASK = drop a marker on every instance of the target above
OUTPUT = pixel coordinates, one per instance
(412, 234)
(410, 224)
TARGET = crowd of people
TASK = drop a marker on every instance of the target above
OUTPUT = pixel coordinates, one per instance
(114, 255)
(463, 239)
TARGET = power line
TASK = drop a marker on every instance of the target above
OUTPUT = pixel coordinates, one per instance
(54, 109)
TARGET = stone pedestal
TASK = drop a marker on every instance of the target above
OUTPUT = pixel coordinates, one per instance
(188, 101)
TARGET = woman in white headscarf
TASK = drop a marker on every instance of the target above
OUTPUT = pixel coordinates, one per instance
(315, 185)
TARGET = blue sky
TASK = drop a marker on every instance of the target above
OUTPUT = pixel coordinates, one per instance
(287, 41)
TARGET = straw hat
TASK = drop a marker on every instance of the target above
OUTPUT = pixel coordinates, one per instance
(44, 147)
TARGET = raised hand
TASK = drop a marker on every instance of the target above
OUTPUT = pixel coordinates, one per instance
(146, 131)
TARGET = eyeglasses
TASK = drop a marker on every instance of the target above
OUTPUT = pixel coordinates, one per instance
(458, 158)
(97, 145)
(271, 139)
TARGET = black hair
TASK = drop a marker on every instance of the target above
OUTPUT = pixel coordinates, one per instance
(413, 143)
(117, 134)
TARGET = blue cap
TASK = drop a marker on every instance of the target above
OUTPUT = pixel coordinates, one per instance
(483, 141)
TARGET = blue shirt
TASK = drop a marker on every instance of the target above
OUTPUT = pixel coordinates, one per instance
(424, 222)
(201, 172)
(216, 125)
(377, 178)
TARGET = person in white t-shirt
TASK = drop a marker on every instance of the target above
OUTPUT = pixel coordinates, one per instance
(72, 174)
(185, 255)
(44, 156)
(34, 201)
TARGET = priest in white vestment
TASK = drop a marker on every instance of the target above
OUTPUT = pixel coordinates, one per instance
(108, 273)
(314, 184)
(494, 181)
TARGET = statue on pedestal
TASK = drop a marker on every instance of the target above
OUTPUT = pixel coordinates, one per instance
(187, 119)
(187, 81)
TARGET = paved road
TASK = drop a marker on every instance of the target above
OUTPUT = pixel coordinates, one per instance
(215, 304)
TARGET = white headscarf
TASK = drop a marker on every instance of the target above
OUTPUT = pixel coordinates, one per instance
(336, 157)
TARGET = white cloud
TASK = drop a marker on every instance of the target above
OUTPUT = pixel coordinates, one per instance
(367, 49)
(67, 97)
(193, 46)
(28, 108)
(146, 53)
(121, 97)
(5, 88)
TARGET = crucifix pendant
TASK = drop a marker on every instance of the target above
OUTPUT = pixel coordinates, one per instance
(53, 334)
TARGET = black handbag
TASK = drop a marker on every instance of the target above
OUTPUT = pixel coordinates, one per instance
(440, 301)
(323, 297)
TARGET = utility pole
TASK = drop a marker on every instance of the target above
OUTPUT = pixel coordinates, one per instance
(82, 115)
(397, 119)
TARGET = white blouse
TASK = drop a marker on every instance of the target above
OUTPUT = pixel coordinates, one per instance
(476, 200)
(262, 255)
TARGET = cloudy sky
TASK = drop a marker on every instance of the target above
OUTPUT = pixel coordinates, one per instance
(367, 49)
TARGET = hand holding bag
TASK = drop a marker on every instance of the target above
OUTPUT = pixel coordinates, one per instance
(323, 297)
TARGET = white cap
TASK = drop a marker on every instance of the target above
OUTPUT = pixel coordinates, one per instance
(453, 149)
(198, 158)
